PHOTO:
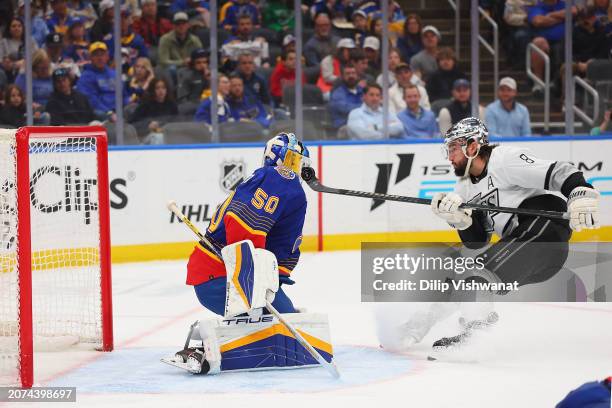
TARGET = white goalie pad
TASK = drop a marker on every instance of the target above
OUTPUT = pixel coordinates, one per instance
(252, 278)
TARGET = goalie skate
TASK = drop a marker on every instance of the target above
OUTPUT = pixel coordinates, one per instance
(190, 359)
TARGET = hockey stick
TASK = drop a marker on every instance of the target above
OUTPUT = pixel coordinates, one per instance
(329, 366)
(309, 176)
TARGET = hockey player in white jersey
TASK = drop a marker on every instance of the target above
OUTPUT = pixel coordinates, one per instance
(508, 177)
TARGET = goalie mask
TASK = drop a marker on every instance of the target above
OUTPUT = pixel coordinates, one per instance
(286, 150)
(461, 135)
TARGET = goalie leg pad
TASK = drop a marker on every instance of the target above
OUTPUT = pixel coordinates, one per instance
(252, 277)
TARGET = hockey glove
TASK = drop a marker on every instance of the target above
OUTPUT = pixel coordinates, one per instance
(446, 206)
(583, 207)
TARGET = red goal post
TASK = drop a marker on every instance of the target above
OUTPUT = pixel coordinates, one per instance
(55, 274)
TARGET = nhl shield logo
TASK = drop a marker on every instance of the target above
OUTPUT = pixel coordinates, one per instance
(232, 174)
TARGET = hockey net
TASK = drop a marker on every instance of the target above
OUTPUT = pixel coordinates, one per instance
(54, 245)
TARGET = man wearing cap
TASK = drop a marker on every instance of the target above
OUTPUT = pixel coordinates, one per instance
(253, 83)
(404, 78)
(366, 121)
(345, 97)
(322, 43)
(59, 20)
(417, 122)
(151, 26)
(330, 66)
(103, 27)
(197, 11)
(54, 45)
(459, 108)
(196, 79)
(424, 63)
(97, 83)
(66, 105)
(176, 46)
(371, 46)
(360, 22)
(505, 116)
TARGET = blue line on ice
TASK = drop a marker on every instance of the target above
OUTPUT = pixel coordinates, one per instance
(138, 370)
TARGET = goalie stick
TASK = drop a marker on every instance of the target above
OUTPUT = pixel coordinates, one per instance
(309, 176)
(329, 366)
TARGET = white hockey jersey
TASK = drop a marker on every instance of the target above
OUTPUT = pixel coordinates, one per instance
(513, 175)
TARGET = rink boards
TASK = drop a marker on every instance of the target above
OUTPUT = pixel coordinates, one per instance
(144, 179)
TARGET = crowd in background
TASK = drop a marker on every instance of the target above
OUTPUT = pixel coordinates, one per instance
(165, 73)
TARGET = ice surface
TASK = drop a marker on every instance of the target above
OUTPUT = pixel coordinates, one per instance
(535, 355)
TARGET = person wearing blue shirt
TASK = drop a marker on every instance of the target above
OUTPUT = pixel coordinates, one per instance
(197, 10)
(345, 97)
(97, 82)
(244, 106)
(240, 8)
(417, 121)
(60, 20)
(547, 19)
(505, 116)
(223, 109)
(366, 121)
(130, 40)
(42, 85)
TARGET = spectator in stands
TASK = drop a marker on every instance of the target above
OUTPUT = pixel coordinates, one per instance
(82, 10)
(547, 19)
(604, 128)
(12, 48)
(13, 113)
(366, 121)
(322, 43)
(359, 60)
(440, 83)
(417, 122)
(175, 47)
(375, 28)
(404, 76)
(289, 43)
(67, 106)
(411, 43)
(246, 41)
(394, 60)
(141, 77)
(603, 12)
(459, 108)
(519, 33)
(505, 116)
(360, 22)
(244, 106)
(278, 16)
(371, 46)
(331, 64)
(132, 43)
(55, 51)
(424, 63)
(345, 97)
(97, 83)
(197, 11)
(223, 109)
(241, 8)
(157, 102)
(42, 85)
(589, 39)
(151, 26)
(253, 83)
(283, 75)
(103, 27)
(59, 20)
(39, 26)
(76, 45)
(197, 79)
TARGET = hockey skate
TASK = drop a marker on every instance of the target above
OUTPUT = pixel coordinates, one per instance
(468, 329)
(190, 359)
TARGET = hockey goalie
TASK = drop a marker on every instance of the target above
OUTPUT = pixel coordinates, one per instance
(239, 267)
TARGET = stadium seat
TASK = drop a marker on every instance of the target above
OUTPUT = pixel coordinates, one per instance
(312, 74)
(309, 130)
(311, 96)
(186, 133)
(130, 135)
(241, 132)
(436, 106)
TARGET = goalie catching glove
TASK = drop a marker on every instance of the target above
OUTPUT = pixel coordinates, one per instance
(446, 206)
(583, 207)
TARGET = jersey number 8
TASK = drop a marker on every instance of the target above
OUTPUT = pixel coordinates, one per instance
(261, 200)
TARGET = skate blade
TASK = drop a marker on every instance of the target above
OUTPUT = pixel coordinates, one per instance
(178, 364)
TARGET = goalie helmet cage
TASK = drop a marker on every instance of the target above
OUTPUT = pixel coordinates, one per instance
(55, 278)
